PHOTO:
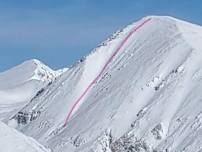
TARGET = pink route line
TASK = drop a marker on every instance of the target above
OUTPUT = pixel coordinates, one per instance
(103, 69)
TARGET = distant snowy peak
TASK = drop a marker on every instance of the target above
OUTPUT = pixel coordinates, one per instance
(44, 73)
(29, 70)
(41, 71)
(19, 85)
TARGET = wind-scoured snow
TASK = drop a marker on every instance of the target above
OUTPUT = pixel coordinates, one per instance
(148, 99)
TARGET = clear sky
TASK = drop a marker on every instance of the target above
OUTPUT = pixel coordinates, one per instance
(59, 32)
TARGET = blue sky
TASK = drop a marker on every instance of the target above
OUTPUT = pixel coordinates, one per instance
(59, 32)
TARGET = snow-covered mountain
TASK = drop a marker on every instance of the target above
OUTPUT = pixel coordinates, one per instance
(22, 83)
(139, 91)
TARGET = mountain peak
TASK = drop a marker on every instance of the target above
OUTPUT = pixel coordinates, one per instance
(41, 72)
(138, 91)
(29, 70)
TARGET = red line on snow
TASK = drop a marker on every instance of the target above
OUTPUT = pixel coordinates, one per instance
(103, 69)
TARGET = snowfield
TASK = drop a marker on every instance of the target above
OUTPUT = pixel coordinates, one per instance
(146, 98)
(13, 141)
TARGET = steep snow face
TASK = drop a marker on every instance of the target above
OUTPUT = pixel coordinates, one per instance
(20, 84)
(147, 99)
(13, 141)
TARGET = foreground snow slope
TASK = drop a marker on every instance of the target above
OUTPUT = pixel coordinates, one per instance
(148, 98)
(20, 84)
(13, 141)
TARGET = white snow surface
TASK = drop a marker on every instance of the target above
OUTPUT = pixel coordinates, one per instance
(20, 84)
(148, 99)
(13, 141)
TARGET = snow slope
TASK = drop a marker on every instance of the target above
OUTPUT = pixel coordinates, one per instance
(147, 99)
(20, 84)
(13, 141)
